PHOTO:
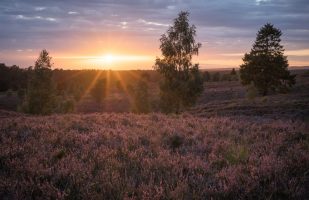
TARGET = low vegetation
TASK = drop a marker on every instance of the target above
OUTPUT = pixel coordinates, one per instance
(154, 156)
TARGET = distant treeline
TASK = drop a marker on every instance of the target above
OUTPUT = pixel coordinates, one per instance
(16, 78)
(73, 81)
(220, 76)
(13, 77)
(139, 88)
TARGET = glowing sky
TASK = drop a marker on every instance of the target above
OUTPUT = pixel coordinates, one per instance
(125, 34)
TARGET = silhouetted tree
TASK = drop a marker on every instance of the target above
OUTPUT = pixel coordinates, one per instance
(98, 92)
(233, 72)
(40, 93)
(265, 65)
(182, 81)
(233, 75)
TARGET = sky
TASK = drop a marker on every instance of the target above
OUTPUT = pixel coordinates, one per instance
(124, 34)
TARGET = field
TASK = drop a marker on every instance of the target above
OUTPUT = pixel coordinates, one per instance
(116, 156)
(227, 147)
(229, 99)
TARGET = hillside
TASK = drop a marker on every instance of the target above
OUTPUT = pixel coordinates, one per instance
(128, 156)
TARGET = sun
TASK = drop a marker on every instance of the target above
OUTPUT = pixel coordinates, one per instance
(112, 60)
(108, 58)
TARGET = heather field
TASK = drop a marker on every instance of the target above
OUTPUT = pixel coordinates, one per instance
(154, 156)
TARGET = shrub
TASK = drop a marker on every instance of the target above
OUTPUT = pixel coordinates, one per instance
(252, 92)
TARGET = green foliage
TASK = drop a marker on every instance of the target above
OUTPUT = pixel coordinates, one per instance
(236, 154)
(98, 92)
(182, 81)
(265, 65)
(141, 99)
(41, 93)
(252, 92)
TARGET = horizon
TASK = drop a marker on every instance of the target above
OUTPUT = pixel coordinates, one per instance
(125, 36)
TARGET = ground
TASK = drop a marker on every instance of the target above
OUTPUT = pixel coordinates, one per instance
(227, 147)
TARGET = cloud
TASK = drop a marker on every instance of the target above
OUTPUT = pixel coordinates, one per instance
(22, 17)
(259, 2)
(72, 13)
(224, 27)
(39, 8)
(151, 23)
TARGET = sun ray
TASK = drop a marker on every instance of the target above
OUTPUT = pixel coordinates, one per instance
(133, 73)
(124, 87)
(91, 85)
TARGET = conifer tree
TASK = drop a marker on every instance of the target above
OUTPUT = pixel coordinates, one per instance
(41, 91)
(266, 66)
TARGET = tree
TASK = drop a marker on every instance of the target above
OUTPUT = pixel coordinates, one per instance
(265, 65)
(233, 75)
(233, 72)
(40, 97)
(182, 81)
(98, 92)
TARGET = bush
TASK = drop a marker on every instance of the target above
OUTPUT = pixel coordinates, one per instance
(252, 92)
